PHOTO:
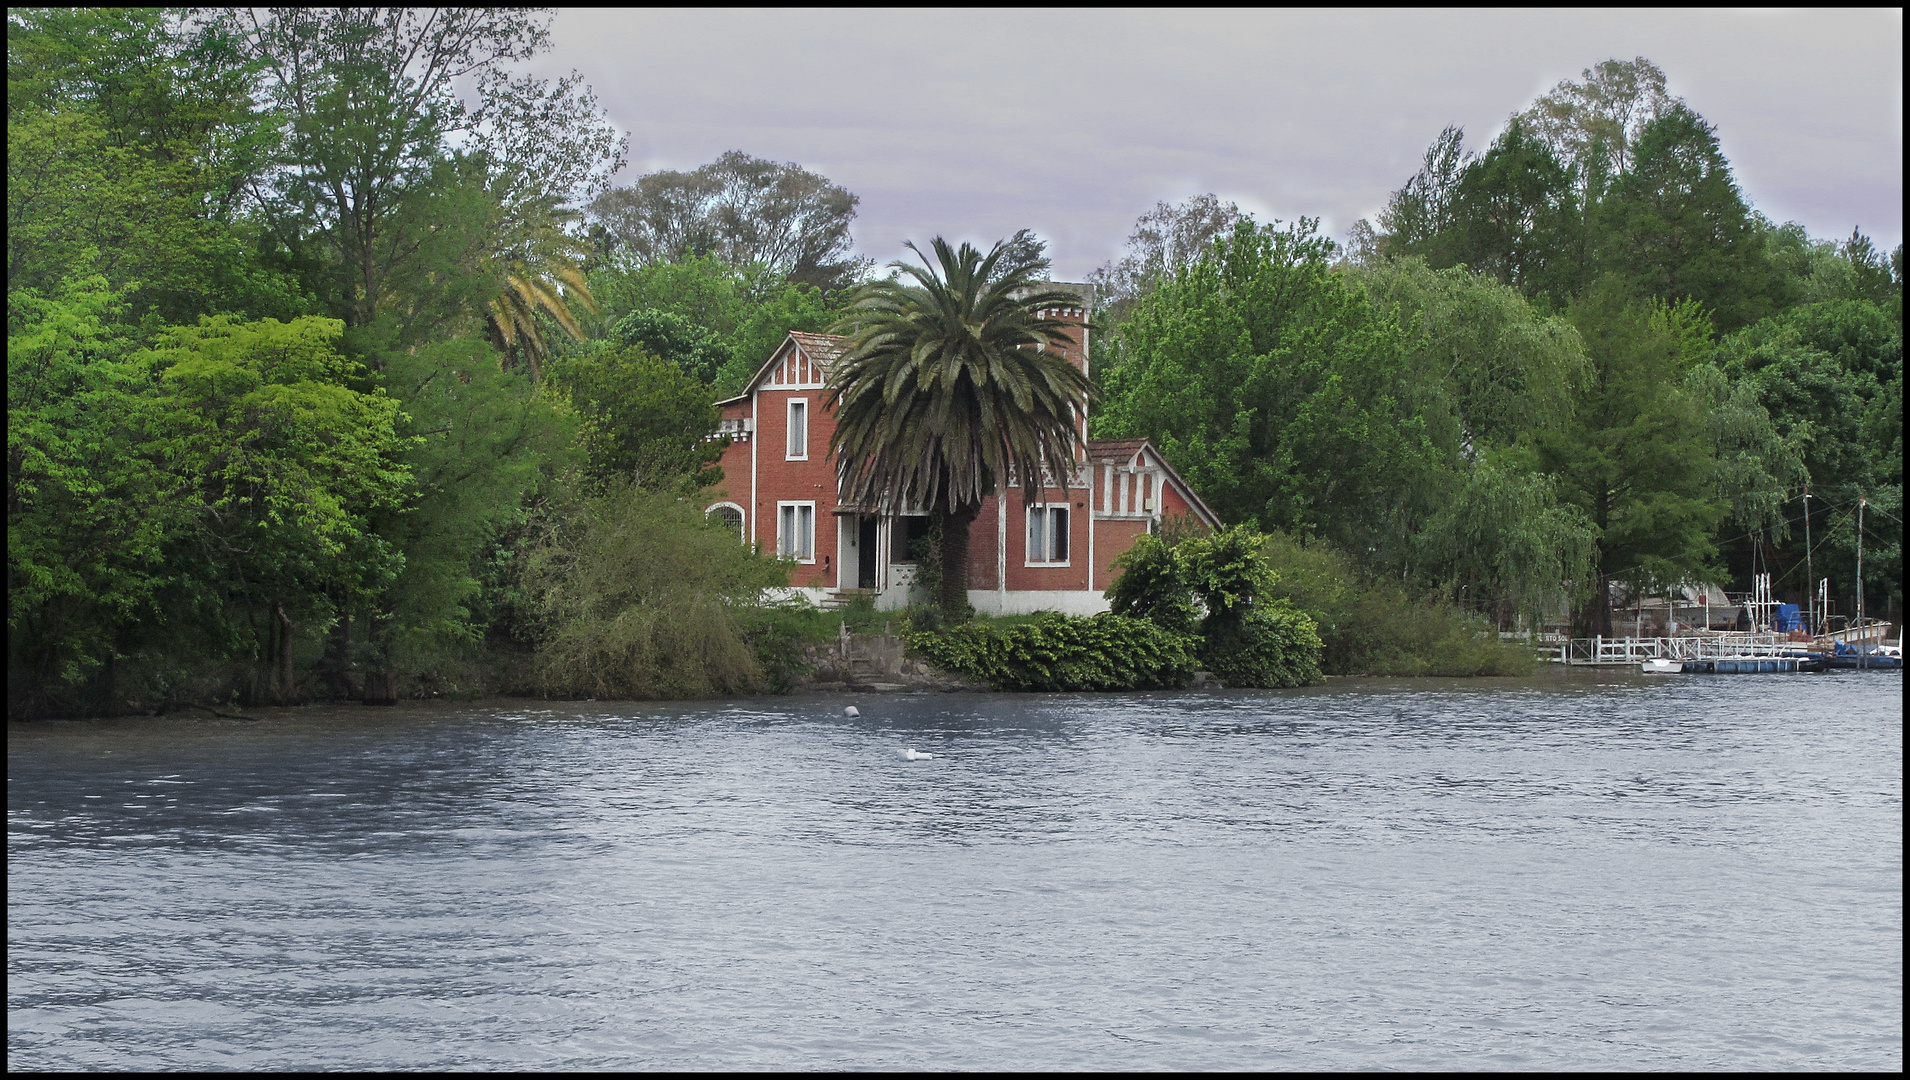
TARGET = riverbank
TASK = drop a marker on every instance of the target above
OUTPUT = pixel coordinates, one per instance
(832, 694)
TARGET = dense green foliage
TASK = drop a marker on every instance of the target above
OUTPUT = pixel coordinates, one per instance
(645, 419)
(198, 498)
(1277, 390)
(1056, 652)
(717, 321)
(1372, 625)
(337, 368)
(305, 361)
(1221, 587)
(638, 597)
(1577, 357)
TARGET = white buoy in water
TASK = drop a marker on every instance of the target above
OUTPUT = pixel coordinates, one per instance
(851, 711)
(916, 755)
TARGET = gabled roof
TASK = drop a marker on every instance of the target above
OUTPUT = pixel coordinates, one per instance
(1114, 449)
(822, 347)
(1123, 450)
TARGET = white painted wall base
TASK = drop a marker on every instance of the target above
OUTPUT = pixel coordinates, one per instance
(1029, 601)
(986, 601)
(901, 586)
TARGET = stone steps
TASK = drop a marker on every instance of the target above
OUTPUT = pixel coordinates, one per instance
(842, 598)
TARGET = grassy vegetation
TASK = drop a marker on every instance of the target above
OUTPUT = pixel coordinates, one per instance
(1373, 626)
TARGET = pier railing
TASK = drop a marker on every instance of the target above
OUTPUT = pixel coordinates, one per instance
(1635, 650)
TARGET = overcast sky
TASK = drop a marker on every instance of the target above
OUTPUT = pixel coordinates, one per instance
(972, 124)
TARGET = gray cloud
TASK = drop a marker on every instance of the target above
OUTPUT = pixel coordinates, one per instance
(973, 124)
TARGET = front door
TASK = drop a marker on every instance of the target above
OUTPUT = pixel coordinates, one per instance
(865, 552)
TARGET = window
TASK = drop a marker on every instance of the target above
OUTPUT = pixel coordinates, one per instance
(798, 429)
(906, 536)
(729, 515)
(1048, 534)
(796, 531)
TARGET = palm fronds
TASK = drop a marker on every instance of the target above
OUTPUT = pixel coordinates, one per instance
(953, 382)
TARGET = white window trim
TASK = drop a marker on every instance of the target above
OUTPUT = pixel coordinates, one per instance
(1027, 558)
(789, 429)
(796, 549)
(743, 521)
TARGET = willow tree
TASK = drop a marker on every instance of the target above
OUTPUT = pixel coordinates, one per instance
(953, 385)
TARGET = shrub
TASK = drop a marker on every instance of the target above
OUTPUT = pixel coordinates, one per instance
(638, 597)
(1374, 626)
(1056, 652)
(1248, 638)
(1273, 645)
(1153, 586)
(1228, 569)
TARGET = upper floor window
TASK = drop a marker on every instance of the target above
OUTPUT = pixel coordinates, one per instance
(798, 429)
(1048, 534)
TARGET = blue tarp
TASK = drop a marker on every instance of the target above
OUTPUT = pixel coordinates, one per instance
(1787, 619)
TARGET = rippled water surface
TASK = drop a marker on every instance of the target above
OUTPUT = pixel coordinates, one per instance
(1573, 871)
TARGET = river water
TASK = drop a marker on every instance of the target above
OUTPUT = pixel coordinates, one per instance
(1576, 870)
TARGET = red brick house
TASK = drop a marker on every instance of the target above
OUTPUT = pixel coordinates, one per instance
(1054, 554)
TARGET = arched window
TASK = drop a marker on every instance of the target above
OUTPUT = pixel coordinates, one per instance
(729, 514)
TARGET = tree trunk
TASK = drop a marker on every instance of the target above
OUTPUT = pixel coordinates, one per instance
(1599, 616)
(381, 683)
(283, 687)
(955, 529)
(335, 666)
(1602, 603)
(381, 688)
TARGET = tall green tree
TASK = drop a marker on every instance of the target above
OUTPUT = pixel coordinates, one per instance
(645, 421)
(716, 321)
(1826, 374)
(946, 393)
(1418, 219)
(1281, 394)
(370, 110)
(1164, 239)
(1635, 456)
(1592, 125)
(1676, 227)
(485, 442)
(1497, 368)
(131, 142)
(741, 209)
(1516, 215)
(184, 515)
(1506, 543)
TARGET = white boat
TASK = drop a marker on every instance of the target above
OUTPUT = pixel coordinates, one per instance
(1663, 667)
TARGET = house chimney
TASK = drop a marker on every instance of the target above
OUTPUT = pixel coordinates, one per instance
(1077, 347)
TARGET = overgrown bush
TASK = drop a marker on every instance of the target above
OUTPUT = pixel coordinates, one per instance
(1153, 587)
(1273, 645)
(1247, 638)
(1056, 652)
(638, 597)
(1373, 626)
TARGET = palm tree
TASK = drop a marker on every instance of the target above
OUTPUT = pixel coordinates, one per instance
(541, 274)
(946, 383)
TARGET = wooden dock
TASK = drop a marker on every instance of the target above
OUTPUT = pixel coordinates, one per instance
(1725, 652)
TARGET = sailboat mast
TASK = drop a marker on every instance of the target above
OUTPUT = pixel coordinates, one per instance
(1810, 576)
